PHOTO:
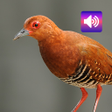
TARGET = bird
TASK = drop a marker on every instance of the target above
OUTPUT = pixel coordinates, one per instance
(74, 58)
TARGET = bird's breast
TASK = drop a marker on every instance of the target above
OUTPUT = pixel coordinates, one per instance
(60, 58)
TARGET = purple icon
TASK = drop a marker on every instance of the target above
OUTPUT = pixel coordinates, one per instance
(91, 21)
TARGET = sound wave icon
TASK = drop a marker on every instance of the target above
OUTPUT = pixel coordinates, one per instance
(89, 21)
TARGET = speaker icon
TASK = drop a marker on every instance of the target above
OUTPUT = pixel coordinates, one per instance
(89, 21)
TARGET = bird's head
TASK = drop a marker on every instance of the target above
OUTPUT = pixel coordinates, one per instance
(38, 27)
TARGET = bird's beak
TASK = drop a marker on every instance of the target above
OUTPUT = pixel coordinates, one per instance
(22, 33)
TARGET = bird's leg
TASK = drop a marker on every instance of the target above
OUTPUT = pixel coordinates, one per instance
(98, 94)
(84, 96)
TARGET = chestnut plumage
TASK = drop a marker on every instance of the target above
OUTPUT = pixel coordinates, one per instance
(74, 58)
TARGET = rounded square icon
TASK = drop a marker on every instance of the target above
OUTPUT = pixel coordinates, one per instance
(91, 21)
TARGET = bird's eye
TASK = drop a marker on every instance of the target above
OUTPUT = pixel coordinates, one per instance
(36, 25)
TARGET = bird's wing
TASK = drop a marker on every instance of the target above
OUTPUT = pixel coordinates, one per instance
(99, 59)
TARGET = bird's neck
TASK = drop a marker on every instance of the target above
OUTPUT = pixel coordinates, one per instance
(51, 39)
